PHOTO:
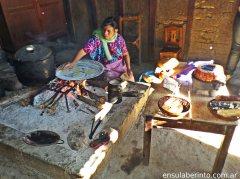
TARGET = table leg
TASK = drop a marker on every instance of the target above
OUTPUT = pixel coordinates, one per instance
(223, 150)
(147, 140)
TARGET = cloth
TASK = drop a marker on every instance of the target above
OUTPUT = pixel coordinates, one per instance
(115, 69)
(98, 33)
(94, 47)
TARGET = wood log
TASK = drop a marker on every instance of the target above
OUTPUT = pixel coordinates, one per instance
(89, 102)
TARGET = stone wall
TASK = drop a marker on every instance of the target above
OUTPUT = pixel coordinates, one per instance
(211, 34)
(168, 12)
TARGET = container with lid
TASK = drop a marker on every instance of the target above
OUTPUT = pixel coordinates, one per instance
(34, 64)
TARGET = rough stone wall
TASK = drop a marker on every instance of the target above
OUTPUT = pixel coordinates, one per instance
(175, 12)
(211, 34)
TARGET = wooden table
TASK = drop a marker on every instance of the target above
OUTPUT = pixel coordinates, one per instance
(198, 119)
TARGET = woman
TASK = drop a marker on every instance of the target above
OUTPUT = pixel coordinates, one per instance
(109, 48)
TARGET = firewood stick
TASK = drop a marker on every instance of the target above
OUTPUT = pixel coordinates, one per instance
(89, 102)
(59, 97)
(52, 98)
(100, 99)
(49, 101)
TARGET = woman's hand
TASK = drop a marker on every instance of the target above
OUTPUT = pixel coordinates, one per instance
(68, 66)
(130, 75)
(129, 72)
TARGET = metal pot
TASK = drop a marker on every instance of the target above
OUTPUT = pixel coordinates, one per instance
(34, 64)
(115, 88)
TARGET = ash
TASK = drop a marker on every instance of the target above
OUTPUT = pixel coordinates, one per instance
(29, 118)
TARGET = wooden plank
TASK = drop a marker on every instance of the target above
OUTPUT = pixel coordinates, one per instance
(151, 29)
(191, 7)
(68, 16)
(93, 13)
(121, 7)
(223, 150)
(191, 125)
(147, 140)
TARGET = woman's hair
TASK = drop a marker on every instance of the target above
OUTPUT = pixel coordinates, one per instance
(110, 21)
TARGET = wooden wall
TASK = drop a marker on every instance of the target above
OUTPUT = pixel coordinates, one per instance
(79, 20)
(86, 15)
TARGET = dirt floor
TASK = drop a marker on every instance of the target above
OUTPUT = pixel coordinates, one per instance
(172, 151)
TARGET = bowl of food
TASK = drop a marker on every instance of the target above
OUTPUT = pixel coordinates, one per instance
(225, 107)
(174, 106)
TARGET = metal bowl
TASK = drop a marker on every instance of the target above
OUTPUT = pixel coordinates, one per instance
(42, 138)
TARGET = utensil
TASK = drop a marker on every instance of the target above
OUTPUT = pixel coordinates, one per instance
(83, 70)
(42, 138)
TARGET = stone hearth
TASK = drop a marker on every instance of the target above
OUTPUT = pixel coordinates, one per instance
(74, 158)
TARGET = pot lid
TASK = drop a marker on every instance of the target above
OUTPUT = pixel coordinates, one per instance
(34, 52)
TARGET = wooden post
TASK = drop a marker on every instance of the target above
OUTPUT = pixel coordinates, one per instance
(191, 7)
(147, 140)
(151, 27)
(93, 13)
(121, 7)
(223, 150)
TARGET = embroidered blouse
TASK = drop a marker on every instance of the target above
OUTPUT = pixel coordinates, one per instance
(94, 48)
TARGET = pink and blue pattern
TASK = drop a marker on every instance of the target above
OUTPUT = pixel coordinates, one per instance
(117, 49)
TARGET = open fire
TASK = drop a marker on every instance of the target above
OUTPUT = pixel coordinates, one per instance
(73, 93)
(76, 91)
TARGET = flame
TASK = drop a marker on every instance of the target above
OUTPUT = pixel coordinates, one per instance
(71, 84)
(79, 91)
(70, 95)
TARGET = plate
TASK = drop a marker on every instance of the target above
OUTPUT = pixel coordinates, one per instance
(150, 77)
(184, 102)
(83, 70)
(227, 100)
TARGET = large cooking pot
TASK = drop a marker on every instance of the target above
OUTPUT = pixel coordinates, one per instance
(34, 64)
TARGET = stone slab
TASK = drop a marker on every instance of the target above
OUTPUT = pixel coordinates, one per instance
(16, 121)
